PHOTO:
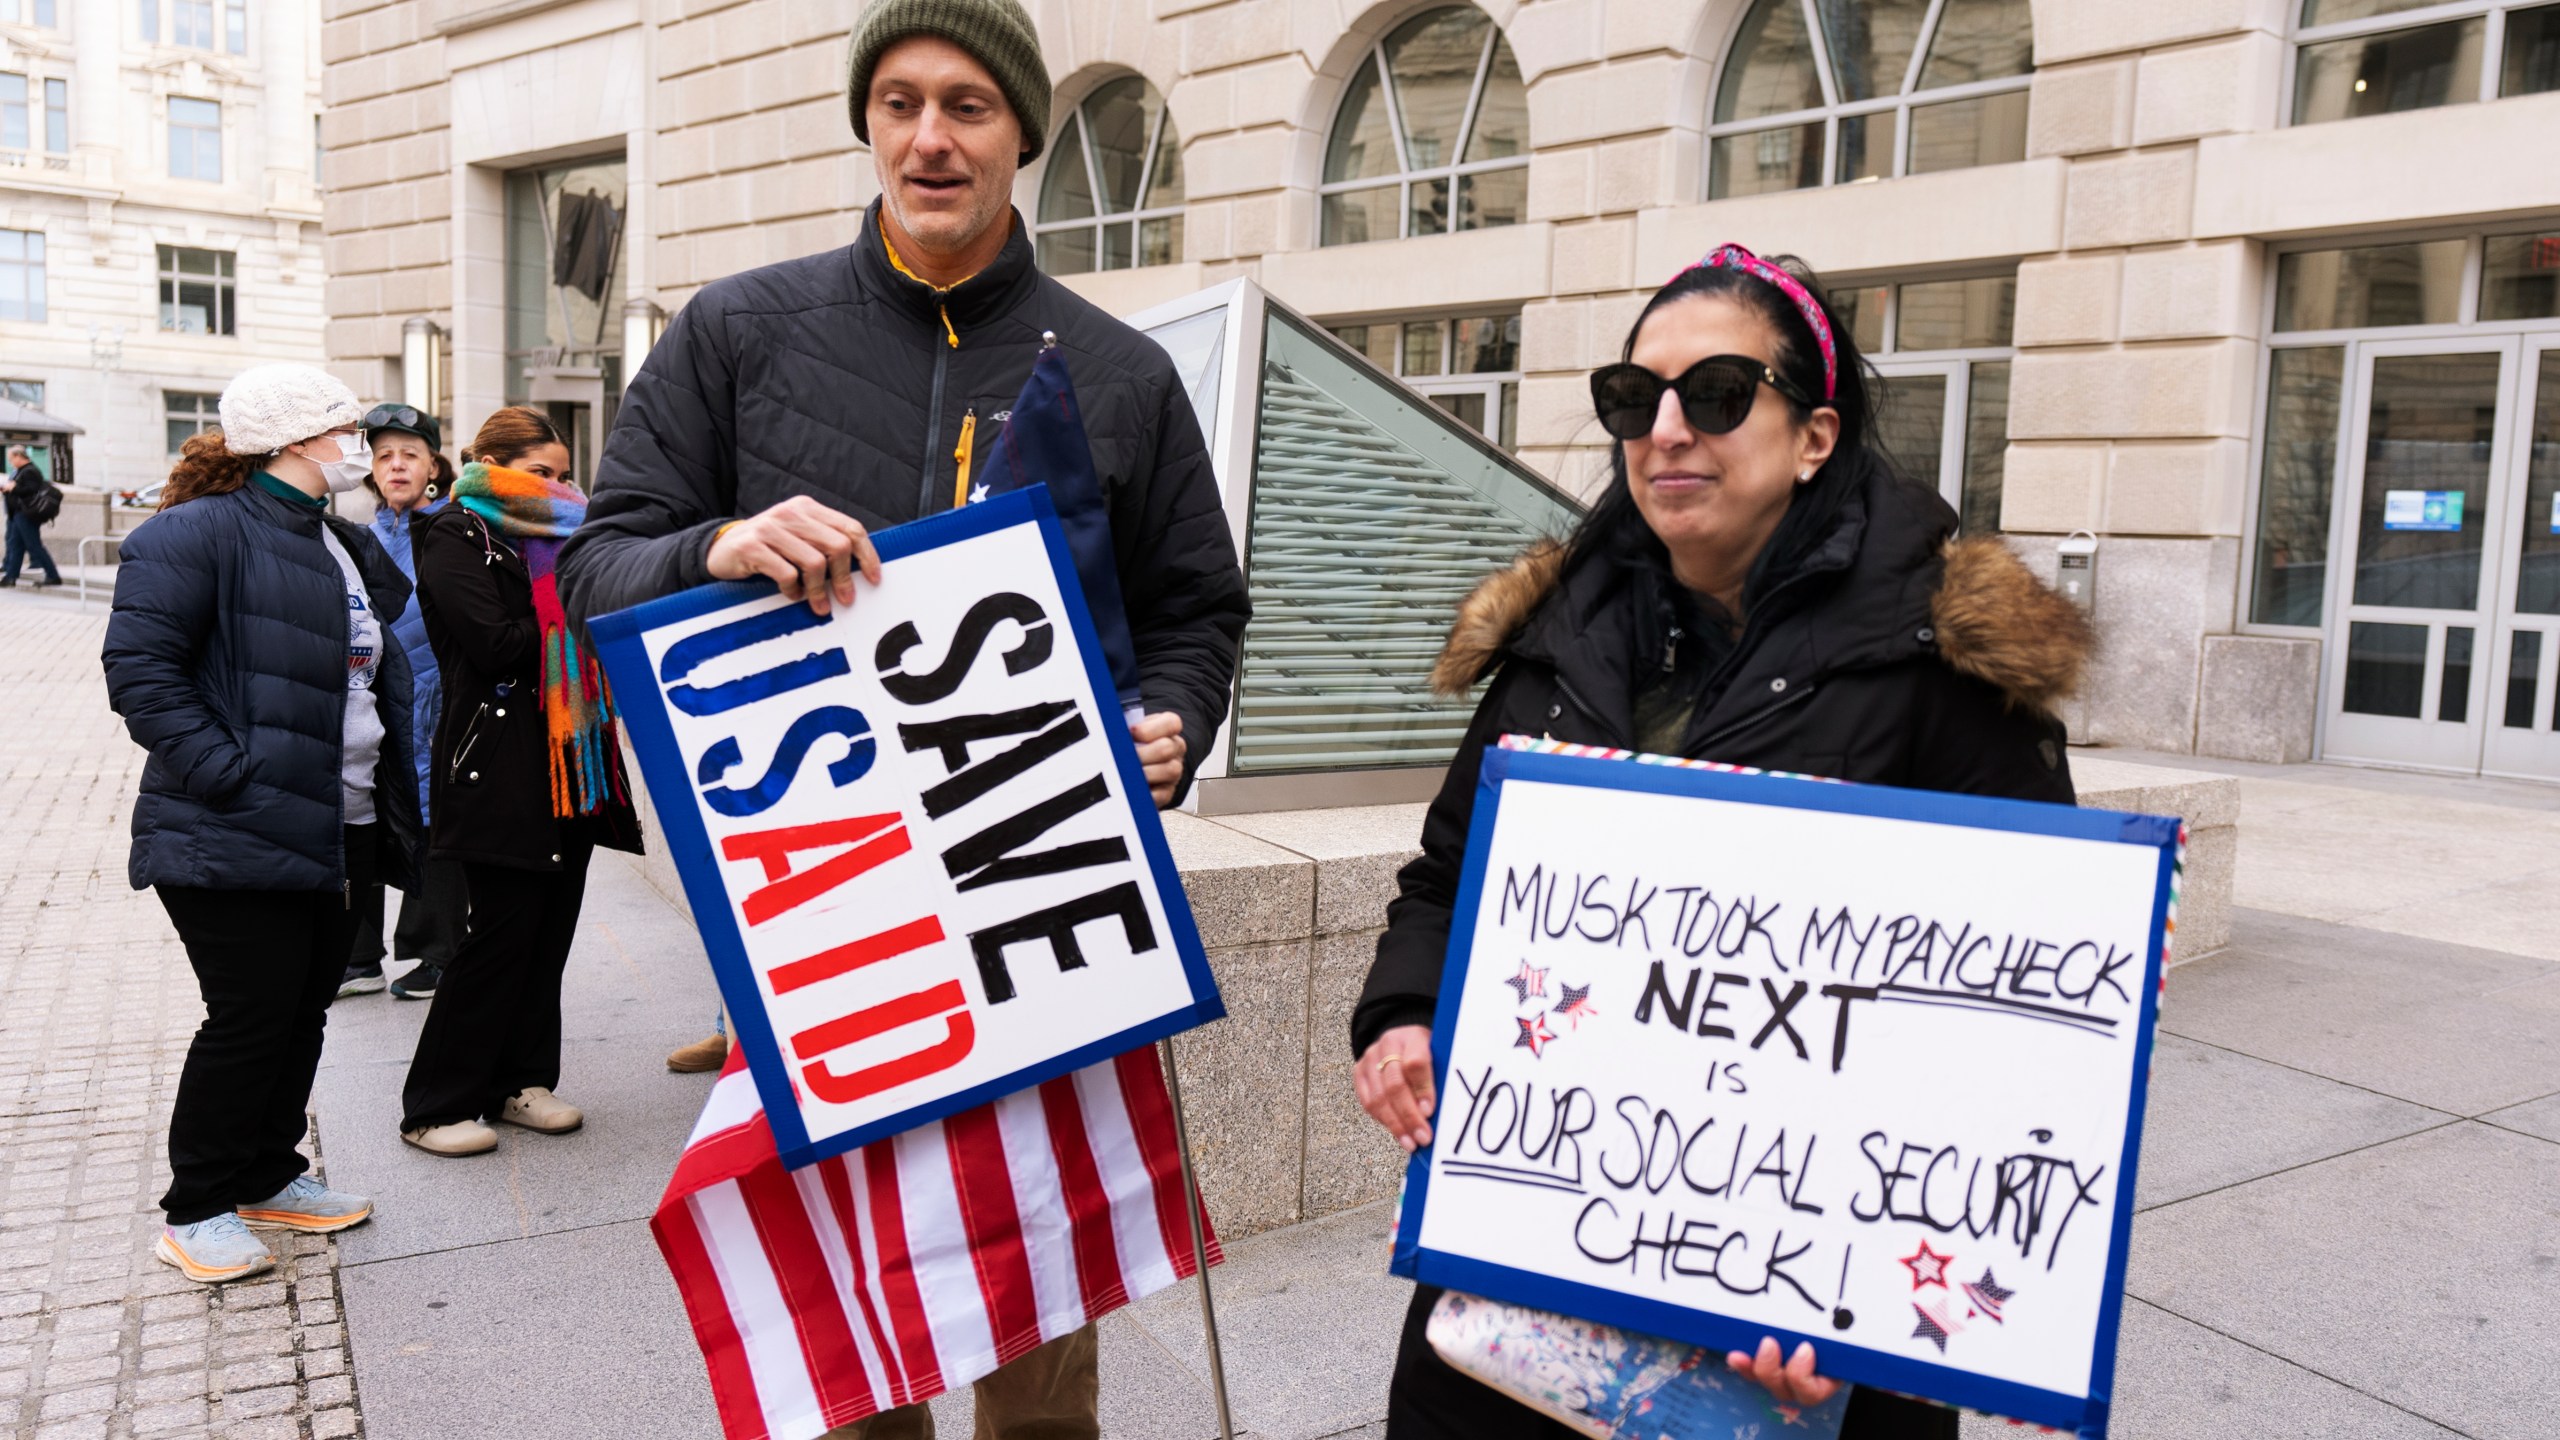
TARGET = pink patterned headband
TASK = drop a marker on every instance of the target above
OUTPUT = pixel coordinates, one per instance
(1734, 257)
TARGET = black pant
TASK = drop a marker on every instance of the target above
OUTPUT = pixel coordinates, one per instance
(268, 964)
(431, 918)
(26, 540)
(494, 1027)
(1431, 1400)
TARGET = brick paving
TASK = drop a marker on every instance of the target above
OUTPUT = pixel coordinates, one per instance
(98, 1341)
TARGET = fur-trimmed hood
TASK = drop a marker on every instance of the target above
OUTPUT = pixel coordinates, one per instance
(1991, 619)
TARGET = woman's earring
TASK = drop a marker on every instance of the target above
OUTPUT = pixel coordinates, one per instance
(1804, 477)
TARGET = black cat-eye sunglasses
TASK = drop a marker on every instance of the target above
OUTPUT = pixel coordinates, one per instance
(1716, 394)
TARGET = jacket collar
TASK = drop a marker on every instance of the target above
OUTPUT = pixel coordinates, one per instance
(303, 518)
(989, 295)
(287, 493)
(1610, 620)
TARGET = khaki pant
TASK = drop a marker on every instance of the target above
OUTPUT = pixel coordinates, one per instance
(1050, 1394)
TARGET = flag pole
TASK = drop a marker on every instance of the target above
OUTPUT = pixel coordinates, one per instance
(1199, 1242)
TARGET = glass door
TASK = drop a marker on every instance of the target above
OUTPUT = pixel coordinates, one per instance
(2523, 718)
(2421, 516)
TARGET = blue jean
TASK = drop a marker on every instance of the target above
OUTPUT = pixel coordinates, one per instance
(26, 539)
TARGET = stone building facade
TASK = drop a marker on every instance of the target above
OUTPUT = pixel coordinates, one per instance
(159, 213)
(2254, 292)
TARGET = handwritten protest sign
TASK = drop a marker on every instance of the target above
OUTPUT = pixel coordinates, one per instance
(1726, 1054)
(914, 833)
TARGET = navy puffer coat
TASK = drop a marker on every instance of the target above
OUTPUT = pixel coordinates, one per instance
(227, 658)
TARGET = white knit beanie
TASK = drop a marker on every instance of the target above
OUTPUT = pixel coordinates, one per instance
(272, 406)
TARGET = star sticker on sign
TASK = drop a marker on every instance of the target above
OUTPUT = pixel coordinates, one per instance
(1928, 1267)
(1534, 1035)
(1530, 981)
(1576, 1003)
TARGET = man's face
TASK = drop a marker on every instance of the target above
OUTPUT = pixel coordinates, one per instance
(945, 143)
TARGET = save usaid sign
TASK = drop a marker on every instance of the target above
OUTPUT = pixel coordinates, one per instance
(914, 832)
(1724, 1055)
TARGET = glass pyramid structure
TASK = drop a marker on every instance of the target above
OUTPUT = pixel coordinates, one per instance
(1364, 514)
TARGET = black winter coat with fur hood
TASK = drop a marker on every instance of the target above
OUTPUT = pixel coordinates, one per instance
(1885, 655)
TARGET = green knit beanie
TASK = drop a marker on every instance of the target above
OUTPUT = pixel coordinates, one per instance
(998, 32)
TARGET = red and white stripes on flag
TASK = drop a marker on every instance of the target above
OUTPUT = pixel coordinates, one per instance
(887, 1275)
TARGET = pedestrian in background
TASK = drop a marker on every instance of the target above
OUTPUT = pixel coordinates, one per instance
(410, 478)
(1756, 586)
(246, 655)
(32, 502)
(526, 781)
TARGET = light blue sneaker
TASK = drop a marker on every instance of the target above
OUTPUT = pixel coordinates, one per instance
(308, 1206)
(215, 1250)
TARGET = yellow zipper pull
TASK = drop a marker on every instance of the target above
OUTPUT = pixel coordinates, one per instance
(968, 435)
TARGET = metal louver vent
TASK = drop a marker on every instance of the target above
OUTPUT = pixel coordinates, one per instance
(1372, 517)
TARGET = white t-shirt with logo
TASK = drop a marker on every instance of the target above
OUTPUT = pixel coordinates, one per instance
(362, 750)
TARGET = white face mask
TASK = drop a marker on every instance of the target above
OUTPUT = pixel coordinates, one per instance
(349, 471)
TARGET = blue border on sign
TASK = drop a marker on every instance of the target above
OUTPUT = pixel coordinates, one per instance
(2086, 1415)
(617, 641)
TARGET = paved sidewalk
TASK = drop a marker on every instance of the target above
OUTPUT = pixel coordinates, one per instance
(2346, 1226)
(2347, 1222)
(96, 1007)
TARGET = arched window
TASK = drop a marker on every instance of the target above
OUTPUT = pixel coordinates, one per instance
(2360, 57)
(1437, 107)
(1830, 92)
(1112, 195)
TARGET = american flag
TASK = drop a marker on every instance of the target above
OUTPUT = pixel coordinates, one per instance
(887, 1275)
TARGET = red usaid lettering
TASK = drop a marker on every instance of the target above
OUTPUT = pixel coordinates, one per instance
(789, 889)
(959, 1038)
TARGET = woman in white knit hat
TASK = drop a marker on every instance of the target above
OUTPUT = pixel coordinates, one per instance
(247, 655)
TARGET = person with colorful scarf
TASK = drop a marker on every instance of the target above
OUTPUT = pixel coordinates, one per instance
(526, 782)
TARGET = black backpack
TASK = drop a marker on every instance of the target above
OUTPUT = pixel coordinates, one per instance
(41, 502)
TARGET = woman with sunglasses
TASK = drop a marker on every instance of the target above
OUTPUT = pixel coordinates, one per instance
(1757, 586)
(410, 479)
(526, 783)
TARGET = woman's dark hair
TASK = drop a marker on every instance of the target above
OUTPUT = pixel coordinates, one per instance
(508, 433)
(1614, 528)
(204, 468)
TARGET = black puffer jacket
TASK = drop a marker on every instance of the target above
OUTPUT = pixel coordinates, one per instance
(227, 658)
(837, 377)
(1886, 656)
(489, 780)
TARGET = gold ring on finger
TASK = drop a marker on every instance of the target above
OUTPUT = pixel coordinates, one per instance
(1391, 1062)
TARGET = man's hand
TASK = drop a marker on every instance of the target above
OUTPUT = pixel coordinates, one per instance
(1160, 749)
(802, 546)
(1793, 1383)
(1394, 1080)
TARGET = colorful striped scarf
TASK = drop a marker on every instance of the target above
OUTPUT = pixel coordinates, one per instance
(537, 514)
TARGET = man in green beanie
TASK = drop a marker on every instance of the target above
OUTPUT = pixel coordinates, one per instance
(791, 410)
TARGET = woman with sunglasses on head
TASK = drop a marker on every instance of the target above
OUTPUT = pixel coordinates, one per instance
(246, 655)
(526, 782)
(1757, 586)
(410, 479)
